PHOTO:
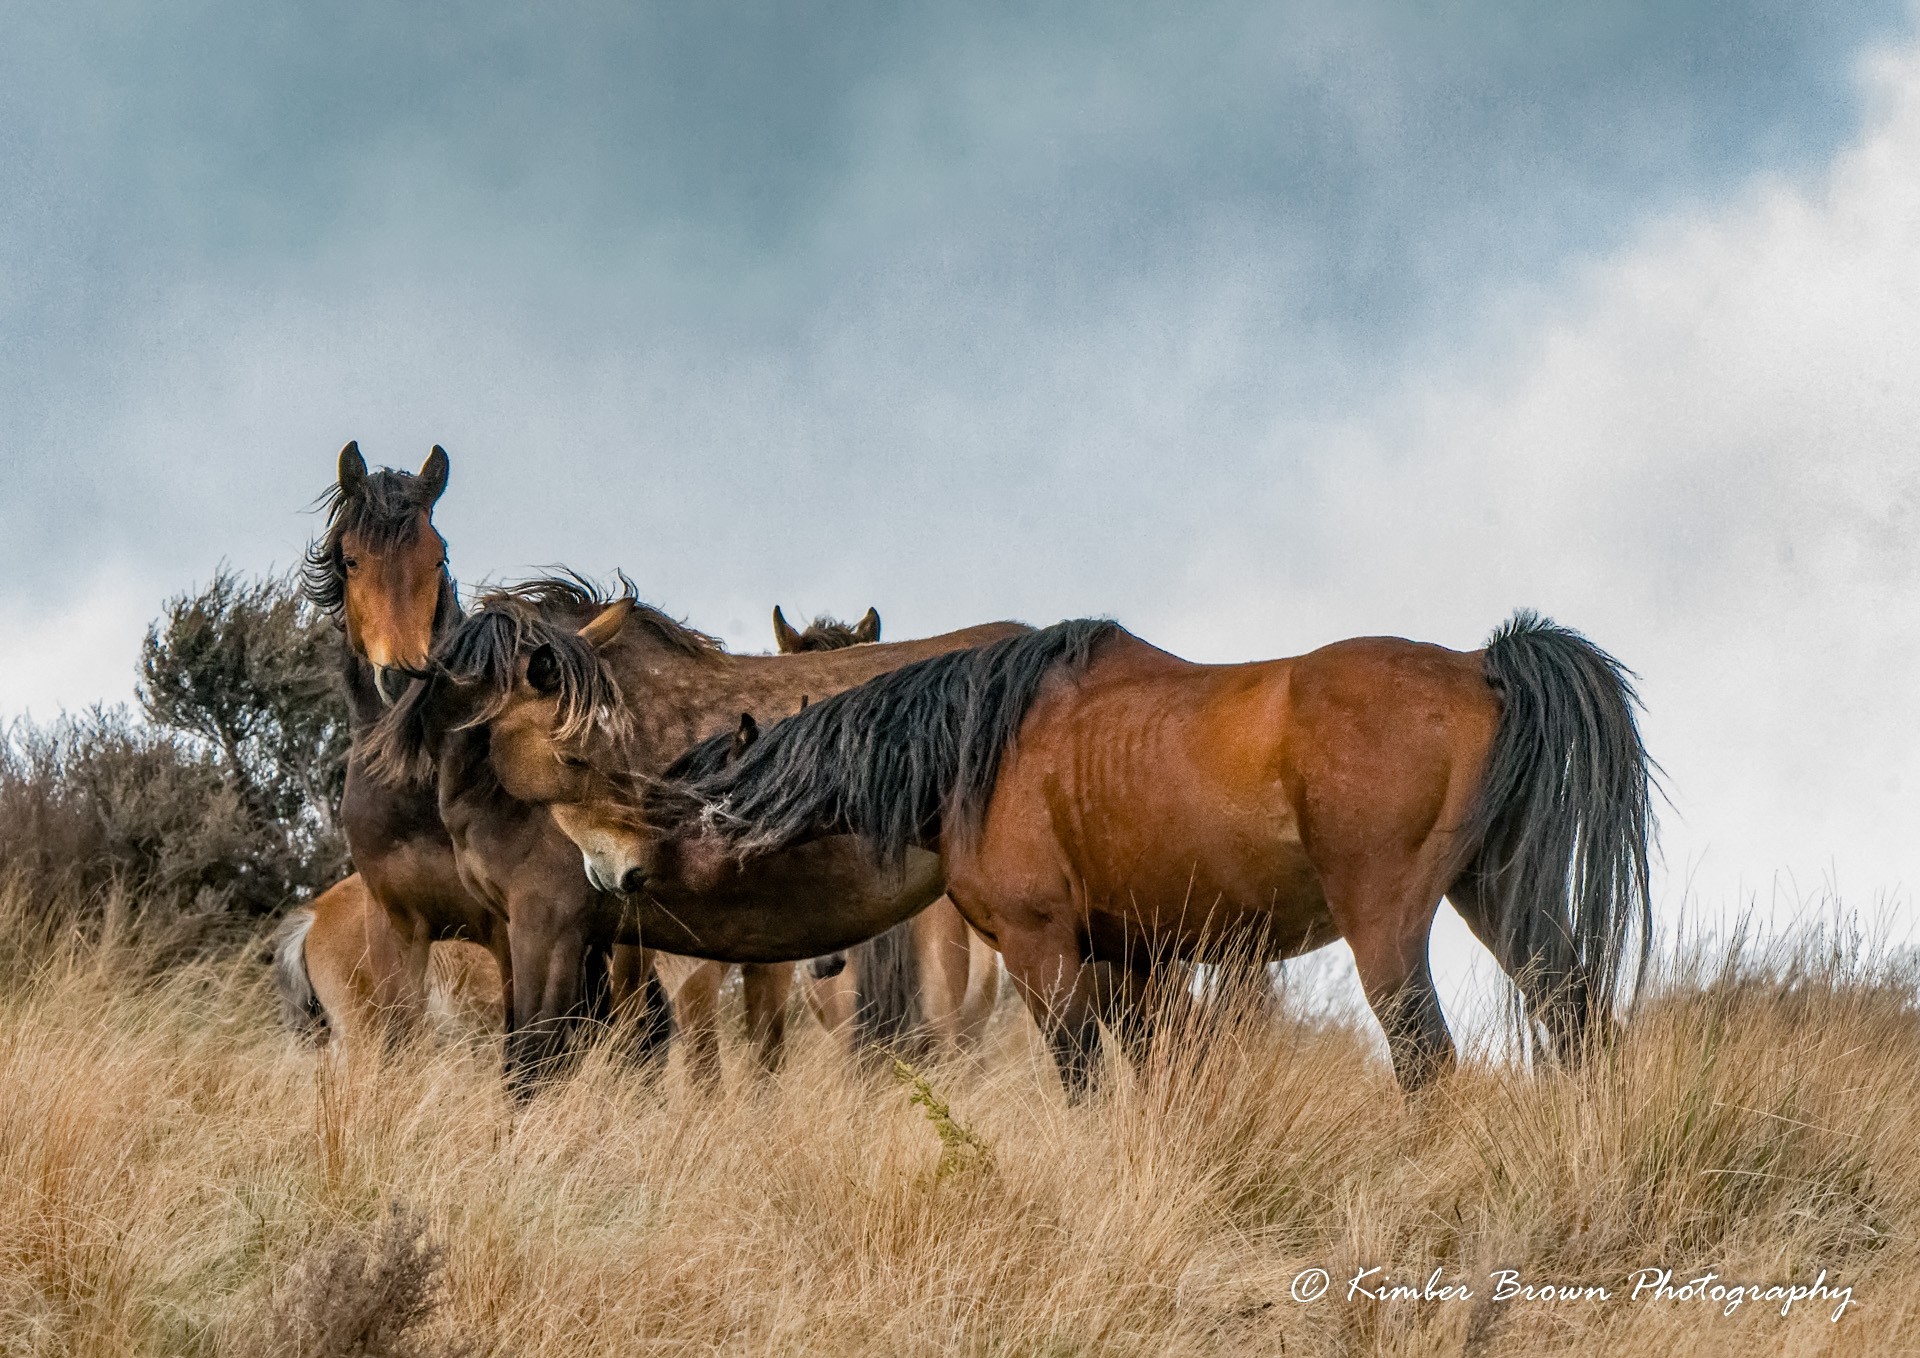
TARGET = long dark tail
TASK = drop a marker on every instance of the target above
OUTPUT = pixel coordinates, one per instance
(287, 954)
(1564, 825)
(886, 1002)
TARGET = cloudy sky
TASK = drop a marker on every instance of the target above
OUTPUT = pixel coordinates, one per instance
(1253, 326)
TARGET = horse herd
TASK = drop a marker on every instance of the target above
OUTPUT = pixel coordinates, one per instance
(617, 808)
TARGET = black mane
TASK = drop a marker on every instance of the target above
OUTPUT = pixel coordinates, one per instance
(894, 760)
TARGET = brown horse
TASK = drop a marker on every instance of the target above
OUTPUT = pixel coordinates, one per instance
(527, 706)
(336, 964)
(695, 984)
(501, 874)
(379, 569)
(1097, 800)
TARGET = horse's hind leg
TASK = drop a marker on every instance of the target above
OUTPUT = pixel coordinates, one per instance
(390, 972)
(1060, 993)
(940, 940)
(765, 989)
(1553, 1010)
(982, 993)
(1385, 916)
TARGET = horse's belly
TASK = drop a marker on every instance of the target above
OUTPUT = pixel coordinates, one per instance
(793, 905)
(1227, 884)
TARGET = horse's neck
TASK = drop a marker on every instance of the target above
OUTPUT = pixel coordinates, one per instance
(364, 703)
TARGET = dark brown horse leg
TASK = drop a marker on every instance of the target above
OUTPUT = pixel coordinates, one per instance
(697, 1007)
(502, 951)
(1416, 1029)
(765, 989)
(640, 1005)
(1125, 1000)
(1394, 973)
(1059, 991)
(547, 990)
(1549, 1009)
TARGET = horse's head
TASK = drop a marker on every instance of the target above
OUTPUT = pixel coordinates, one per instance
(380, 566)
(632, 832)
(534, 670)
(642, 836)
(825, 634)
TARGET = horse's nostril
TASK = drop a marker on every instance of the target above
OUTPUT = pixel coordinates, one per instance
(635, 881)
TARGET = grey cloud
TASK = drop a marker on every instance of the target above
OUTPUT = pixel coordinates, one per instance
(952, 309)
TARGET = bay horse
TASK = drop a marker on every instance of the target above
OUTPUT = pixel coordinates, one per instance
(1096, 800)
(506, 879)
(522, 702)
(335, 958)
(694, 984)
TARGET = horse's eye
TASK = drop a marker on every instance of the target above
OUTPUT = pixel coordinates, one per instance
(352, 563)
(573, 761)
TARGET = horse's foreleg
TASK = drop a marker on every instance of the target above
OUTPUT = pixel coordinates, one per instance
(1126, 1002)
(696, 1005)
(765, 989)
(1059, 990)
(502, 949)
(639, 999)
(547, 969)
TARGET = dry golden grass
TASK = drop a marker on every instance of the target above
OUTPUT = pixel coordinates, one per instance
(178, 1177)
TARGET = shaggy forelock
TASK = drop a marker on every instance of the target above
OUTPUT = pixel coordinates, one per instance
(481, 660)
(385, 510)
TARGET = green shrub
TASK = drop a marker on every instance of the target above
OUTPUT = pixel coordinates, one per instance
(223, 801)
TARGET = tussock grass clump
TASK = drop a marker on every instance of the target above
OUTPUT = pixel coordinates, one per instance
(363, 1294)
(179, 1176)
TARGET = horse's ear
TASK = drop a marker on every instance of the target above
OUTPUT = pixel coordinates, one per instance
(744, 735)
(784, 636)
(433, 475)
(353, 467)
(606, 624)
(868, 628)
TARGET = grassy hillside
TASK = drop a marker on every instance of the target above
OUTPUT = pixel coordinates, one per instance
(177, 1176)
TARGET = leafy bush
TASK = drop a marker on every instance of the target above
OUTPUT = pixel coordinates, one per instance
(223, 800)
(251, 670)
